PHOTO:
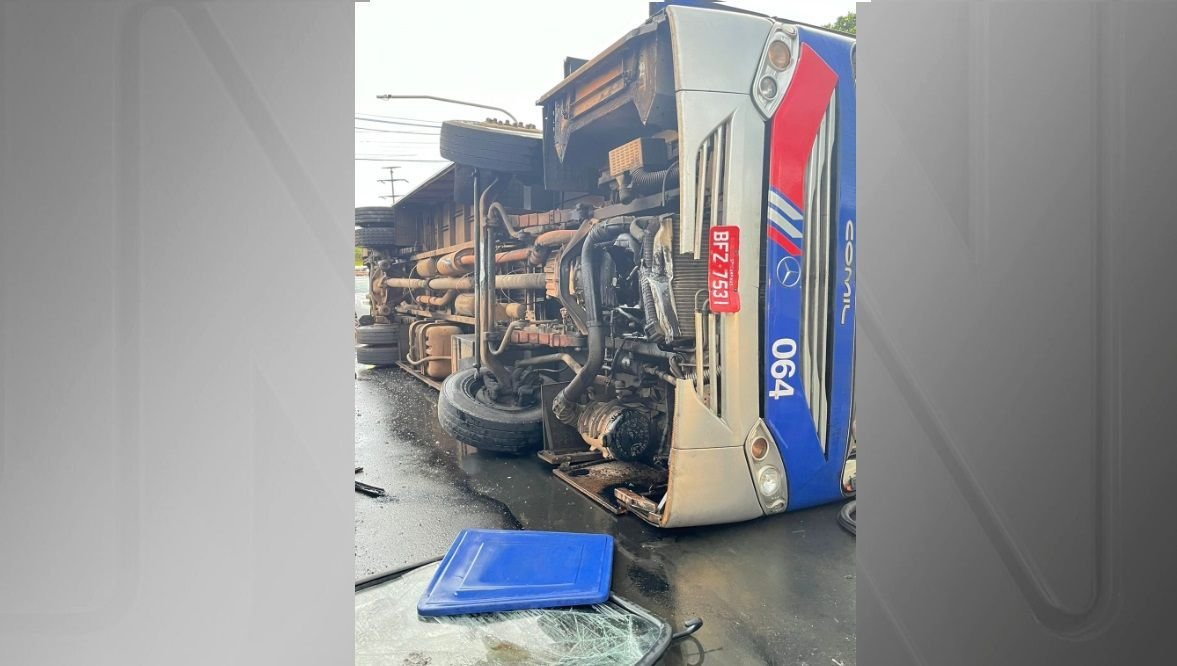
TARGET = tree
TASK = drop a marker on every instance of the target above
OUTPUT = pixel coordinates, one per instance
(847, 23)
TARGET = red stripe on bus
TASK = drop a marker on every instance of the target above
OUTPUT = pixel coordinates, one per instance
(795, 124)
(783, 241)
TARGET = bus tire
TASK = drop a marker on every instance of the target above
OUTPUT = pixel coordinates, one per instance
(378, 334)
(375, 236)
(469, 418)
(377, 355)
(374, 216)
(500, 148)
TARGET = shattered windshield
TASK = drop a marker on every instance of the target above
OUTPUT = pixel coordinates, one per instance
(389, 631)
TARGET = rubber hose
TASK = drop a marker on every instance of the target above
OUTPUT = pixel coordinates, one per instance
(848, 517)
(546, 242)
(652, 181)
(564, 404)
(689, 627)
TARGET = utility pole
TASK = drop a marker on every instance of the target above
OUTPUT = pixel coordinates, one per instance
(392, 181)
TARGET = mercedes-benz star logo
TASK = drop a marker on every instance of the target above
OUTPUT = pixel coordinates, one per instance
(788, 271)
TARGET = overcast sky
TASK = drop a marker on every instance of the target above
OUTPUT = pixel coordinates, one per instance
(505, 53)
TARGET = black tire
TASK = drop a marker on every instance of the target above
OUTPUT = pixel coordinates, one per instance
(469, 417)
(501, 148)
(378, 334)
(374, 216)
(848, 517)
(375, 237)
(379, 356)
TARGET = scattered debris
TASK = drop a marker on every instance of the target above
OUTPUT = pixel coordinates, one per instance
(502, 570)
(370, 491)
(848, 517)
(689, 627)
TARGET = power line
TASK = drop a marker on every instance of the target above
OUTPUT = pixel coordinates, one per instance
(372, 138)
(397, 143)
(384, 117)
(398, 123)
(368, 149)
(393, 149)
(394, 121)
(396, 139)
(381, 153)
(366, 158)
(358, 128)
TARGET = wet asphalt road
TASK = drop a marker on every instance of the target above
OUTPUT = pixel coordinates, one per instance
(778, 590)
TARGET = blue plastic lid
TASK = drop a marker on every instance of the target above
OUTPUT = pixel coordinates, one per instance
(501, 570)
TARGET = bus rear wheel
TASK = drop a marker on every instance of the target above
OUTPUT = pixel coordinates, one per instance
(492, 146)
(469, 415)
(378, 355)
(375, 237)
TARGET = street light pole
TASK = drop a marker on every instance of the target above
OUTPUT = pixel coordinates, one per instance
(451, 101)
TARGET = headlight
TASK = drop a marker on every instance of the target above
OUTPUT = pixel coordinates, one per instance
(759, 448)
(779, 55)
(769, 481)
(767, 87)
(774, 71)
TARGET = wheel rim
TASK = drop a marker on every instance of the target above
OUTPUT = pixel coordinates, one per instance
(482, 396)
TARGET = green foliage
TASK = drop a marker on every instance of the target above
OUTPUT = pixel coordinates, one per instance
(359, 257)
(847, 23)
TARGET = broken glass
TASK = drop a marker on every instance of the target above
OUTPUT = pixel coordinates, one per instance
(389, 632)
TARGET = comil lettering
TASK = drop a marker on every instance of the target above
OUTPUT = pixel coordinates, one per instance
(848, 272)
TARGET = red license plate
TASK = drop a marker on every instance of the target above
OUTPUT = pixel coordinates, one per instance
(723, 269)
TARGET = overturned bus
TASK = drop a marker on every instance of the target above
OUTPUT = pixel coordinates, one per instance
(657, 290)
